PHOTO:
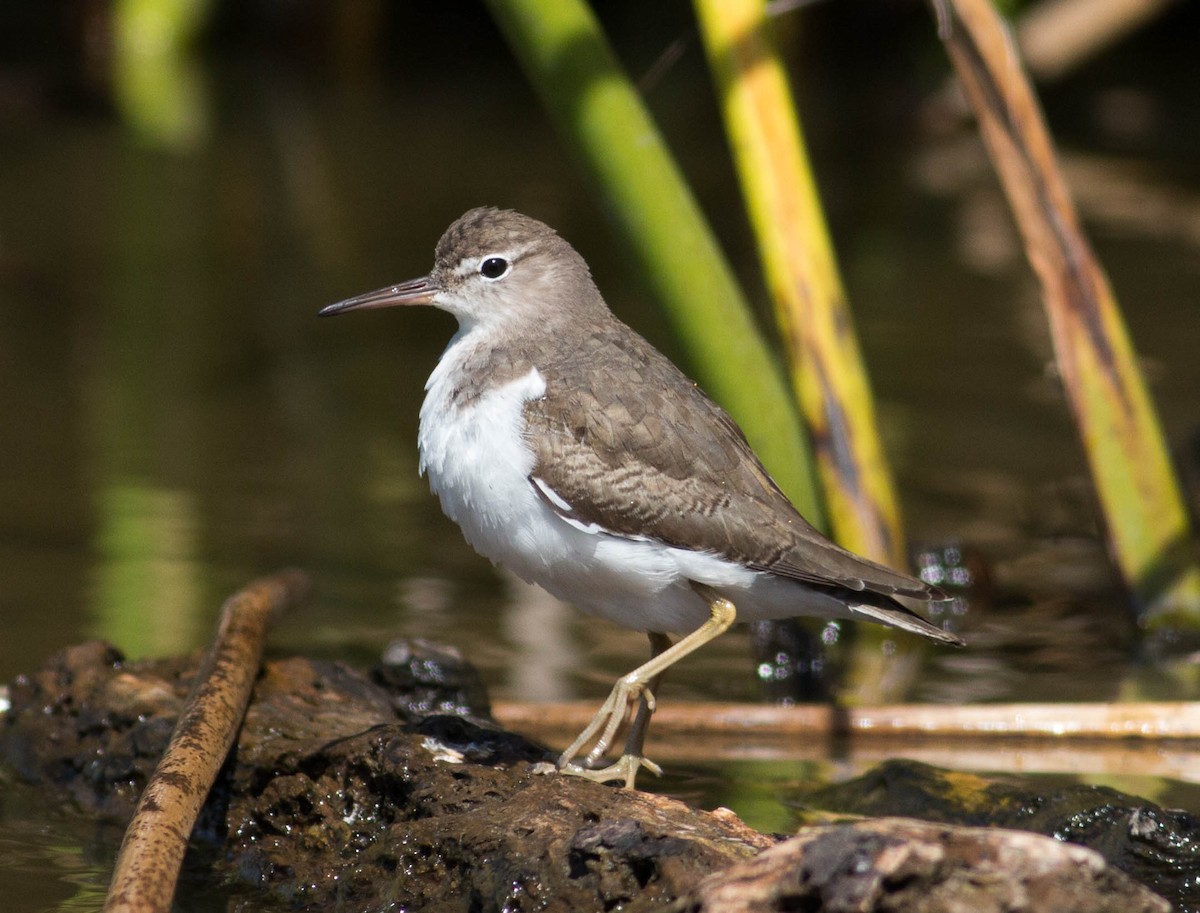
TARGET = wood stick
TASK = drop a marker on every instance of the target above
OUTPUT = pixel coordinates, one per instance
(156, 840)
(1165, 720)
(1157, 739)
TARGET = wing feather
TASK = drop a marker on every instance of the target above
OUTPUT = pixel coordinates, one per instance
(660, 460)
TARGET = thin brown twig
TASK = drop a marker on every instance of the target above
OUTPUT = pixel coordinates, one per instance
(154, 845)
(1169, 720)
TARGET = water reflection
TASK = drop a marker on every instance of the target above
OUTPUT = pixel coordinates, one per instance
(537, 631)
(51, 859)
(147, 594)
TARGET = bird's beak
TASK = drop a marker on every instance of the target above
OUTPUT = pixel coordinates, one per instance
(415, 291)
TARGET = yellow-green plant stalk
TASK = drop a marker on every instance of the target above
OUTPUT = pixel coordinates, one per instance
(1149, 531)
(158, 87)
(797, 258)
(567, 58)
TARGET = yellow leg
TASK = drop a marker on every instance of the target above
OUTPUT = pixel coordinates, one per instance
(639, 686)
(659, 644)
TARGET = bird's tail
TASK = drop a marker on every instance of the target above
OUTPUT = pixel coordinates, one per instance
(894, 615)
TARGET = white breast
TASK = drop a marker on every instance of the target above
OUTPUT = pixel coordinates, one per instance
(475, 455)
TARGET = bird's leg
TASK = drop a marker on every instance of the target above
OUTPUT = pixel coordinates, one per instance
(632, 760)
(659, 644)
(610, 716)
(639, 685)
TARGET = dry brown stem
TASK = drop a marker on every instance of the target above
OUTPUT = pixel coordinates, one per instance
(152, 851)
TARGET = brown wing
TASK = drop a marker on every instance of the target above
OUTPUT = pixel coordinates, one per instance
(656, 458)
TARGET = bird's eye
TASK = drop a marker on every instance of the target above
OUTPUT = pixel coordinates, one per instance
(493, 267)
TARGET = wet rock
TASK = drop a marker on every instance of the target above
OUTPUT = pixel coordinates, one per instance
(425, 677)
(334, 799)
(898, 864)
(87, 726)
(1158, 847)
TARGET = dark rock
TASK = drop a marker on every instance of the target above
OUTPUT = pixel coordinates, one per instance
(897, 864)
(1158, 847)
(424, 677)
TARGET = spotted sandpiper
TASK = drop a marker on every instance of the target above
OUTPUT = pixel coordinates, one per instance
(572, 452)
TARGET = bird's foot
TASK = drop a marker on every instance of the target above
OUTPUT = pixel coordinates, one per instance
(607, 721)
(626, 768)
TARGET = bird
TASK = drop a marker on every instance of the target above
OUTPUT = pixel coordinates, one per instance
(570, 451)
